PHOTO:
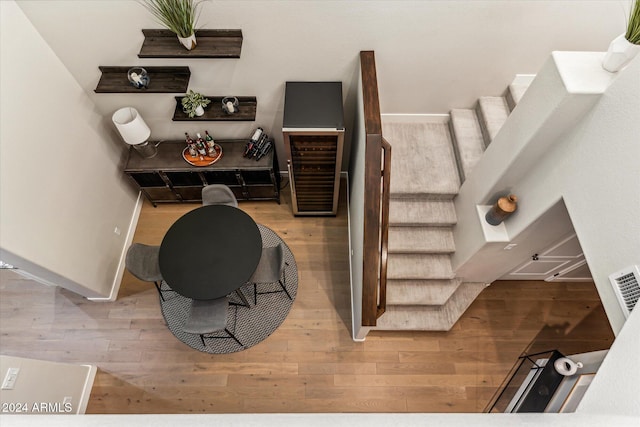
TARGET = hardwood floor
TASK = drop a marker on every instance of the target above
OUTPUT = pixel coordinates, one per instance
(310, 364)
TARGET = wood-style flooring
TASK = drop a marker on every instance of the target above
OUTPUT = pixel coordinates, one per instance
(310, 364)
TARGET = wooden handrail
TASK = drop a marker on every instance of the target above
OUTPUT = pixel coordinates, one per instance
(384, 225)
(376, 198)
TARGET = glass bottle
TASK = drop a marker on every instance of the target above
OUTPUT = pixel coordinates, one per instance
(250, 149)
(202, 150)
(210, 143)
(209, 139)
(192, 146)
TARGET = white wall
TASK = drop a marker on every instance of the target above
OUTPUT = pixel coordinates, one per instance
(43, 382)
(61, 189)
(574, 136)
(616, 387)
(356, 216)
(432, 55)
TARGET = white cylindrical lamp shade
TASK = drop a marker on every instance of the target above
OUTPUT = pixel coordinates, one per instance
(131, 126)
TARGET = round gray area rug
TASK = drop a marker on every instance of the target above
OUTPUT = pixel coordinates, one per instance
(250, 325)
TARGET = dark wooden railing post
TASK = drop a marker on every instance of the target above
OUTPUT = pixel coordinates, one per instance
(376, 198)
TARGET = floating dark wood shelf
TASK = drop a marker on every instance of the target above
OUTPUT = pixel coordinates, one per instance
(161, 80)
(213, 111)
(211, 44)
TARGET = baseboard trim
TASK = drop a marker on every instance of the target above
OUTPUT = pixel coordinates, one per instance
(117, 280)
(353, 320)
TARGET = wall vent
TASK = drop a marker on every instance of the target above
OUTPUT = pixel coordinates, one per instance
(626, 284)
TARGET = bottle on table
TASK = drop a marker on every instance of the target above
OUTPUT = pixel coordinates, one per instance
(202, 150)
(208, 139)
(210, 143)
(248, 152)
(192, 146)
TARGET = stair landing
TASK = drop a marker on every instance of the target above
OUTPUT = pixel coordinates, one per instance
(422, 160)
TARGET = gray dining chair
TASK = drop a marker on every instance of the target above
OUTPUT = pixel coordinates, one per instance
(270, 269)
(218, 194)
(142, 261)
(208, 317)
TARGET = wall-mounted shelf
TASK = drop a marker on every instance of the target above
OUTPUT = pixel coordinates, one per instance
(211, 44)
(213, 111)
(161, 80)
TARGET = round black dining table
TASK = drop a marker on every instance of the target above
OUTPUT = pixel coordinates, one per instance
(210, 252)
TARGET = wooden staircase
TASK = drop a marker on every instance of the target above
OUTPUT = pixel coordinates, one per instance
(430, 161)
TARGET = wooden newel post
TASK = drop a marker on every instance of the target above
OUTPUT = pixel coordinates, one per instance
(504, 207)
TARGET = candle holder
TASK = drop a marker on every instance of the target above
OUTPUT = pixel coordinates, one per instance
(230, 105)
(138, 77)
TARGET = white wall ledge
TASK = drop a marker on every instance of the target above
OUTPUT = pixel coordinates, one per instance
(492, 233)
(582, 72)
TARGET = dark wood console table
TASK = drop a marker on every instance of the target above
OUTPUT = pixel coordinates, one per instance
(168, 178)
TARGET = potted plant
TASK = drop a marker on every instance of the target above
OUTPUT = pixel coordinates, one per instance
(627, 45)
(193, 103)
(179, 16)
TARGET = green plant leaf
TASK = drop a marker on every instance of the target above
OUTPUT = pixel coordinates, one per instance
(179, 16)
(633, 28)
(193, 100)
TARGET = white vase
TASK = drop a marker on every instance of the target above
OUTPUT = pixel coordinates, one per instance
(199, 110)
(188, 42)
(620, 53)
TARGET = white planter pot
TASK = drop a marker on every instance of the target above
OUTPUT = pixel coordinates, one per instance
(199, 110)
(620, 53)
(188, 42)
